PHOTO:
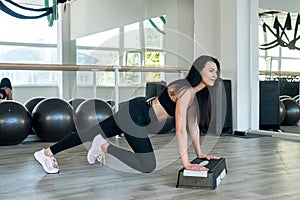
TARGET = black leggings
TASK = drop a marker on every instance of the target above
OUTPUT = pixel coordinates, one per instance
(132, 120)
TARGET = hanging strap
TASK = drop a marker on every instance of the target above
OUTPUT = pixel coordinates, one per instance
(54, 15)
(5, 9)
(155, 26)
(26, 8)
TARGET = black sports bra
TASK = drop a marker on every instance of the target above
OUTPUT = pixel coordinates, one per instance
(4, 95)
(167, 102)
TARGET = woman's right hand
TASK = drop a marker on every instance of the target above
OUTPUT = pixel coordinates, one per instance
(195, 167)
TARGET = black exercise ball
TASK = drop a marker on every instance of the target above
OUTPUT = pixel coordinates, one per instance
(111, 103)
(91, 112)
(282, 112)
(292, 115)
(141, 98)
(30, 104)
(282, 97)
(76, 102)
(15, 123)
(52, 119)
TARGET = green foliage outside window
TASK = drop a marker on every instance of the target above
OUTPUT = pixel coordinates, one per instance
(153, 59)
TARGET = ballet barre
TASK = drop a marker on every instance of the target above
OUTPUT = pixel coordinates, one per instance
(94, 69)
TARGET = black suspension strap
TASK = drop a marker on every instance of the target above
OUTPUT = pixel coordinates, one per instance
(7, 10)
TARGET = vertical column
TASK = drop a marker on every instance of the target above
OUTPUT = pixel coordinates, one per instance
(66, 53)
(243, 77)
(117, 81)
(94, 71)
(254, 63)
(230, 34)
(240, 59)
(228, 50)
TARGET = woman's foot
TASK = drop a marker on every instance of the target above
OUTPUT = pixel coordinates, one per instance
(48, 163)
(95, 153)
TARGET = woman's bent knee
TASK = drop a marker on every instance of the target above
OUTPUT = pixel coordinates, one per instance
(149, 163)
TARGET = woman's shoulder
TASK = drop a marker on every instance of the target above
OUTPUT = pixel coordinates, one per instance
(180, 88)
(181, 84)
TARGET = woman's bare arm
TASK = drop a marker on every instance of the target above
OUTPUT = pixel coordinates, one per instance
(181, 132)
(9, 94)
(194, 131)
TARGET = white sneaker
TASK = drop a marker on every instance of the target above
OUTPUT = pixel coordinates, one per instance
(95, 153)
(49, 164)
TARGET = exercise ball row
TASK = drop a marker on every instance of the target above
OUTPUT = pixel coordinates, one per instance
(50, 119)
(53, 119)
(289, 111)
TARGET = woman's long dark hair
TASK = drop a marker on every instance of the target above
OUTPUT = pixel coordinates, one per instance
(5, 82)
(203, 96)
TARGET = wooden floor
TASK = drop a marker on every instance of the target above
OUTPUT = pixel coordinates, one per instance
(258, 168)
(291, 129)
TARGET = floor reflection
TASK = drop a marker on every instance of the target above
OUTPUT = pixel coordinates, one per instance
(291, 129)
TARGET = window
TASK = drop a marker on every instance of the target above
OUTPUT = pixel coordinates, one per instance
(21, 53)
(137, 44)
(28, 41)
(153, 37)
(97, 57)
(132, 36)
(290, 65)
(278, 58)
(133, 58)
(27, 30)
(151, 58)
(154, 59)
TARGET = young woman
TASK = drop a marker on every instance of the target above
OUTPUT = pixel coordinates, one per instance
(5, 89)
(187, 99)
